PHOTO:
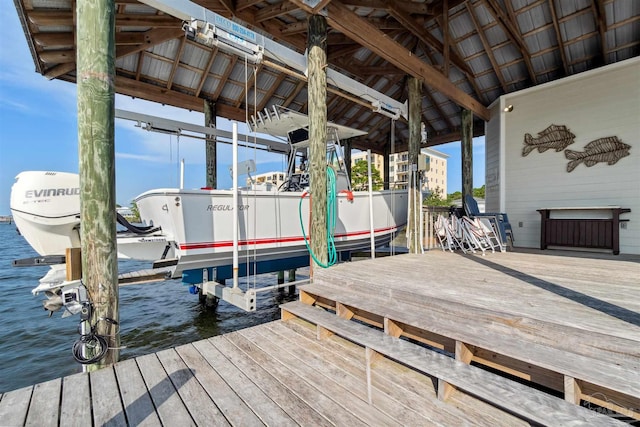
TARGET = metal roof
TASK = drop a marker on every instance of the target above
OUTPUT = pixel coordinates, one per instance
(494, 47)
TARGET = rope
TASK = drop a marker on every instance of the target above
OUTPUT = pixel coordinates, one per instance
(331, 221)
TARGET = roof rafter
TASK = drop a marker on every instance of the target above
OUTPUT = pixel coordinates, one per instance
(176, 62)
(418, 30)
(600, 16)
(446, 52)
(556, 26)
(205, 72)
(526, 56)
(274, 10)
(487, 47)
(349, 23)
(511, 30)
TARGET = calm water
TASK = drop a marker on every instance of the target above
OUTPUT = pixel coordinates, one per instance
(156, 316)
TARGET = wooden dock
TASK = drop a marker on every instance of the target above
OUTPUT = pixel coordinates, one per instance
(567, 328)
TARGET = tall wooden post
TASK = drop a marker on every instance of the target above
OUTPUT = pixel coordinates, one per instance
(347, 155)
(95, 79)
(211, 156)
(415, 112)
(317, 62)
(467, 153)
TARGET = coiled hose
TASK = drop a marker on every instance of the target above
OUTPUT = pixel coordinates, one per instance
(331, 221)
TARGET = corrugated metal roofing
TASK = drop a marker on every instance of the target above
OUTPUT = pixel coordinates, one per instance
(161, 57)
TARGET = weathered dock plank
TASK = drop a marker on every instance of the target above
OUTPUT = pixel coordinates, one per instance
(519, 399)
(75, 408)
(332, 384)
(228, 402)
(412, 391)
(169, 407)
(105, 398)
(45, 401)
(299, 410)
(259, 401)
(137, 403)
(312, 396)
(203, 410)
(14, 406)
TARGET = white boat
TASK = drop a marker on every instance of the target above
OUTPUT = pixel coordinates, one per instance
(190, 230)
(270, 230)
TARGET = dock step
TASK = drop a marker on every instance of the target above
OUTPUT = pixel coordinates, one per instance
(518, 399)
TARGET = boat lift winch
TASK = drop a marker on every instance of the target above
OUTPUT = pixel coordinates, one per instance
(208, 28)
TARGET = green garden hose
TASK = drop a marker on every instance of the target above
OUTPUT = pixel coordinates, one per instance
(332, 195)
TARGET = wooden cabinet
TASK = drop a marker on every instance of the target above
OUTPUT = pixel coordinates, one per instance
(582, 227)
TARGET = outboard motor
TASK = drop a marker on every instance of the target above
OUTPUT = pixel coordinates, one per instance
(46, 210)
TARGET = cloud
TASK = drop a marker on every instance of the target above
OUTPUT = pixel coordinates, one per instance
(140, 157)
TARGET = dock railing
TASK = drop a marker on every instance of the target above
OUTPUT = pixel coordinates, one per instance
(430, 214)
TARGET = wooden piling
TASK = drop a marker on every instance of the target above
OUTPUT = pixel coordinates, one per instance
(317, 62)
(95, 40)
(467, 153)
(415, 113)
(211, 154)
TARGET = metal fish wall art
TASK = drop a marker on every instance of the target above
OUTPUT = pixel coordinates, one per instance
(555, 136)
(609, 149)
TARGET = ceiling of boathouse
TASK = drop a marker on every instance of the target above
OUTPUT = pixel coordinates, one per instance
(473, 50)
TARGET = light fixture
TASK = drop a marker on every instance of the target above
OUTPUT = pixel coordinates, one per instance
(508, 108)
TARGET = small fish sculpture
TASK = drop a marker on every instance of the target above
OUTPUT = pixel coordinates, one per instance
(558, 137)
(609, 149)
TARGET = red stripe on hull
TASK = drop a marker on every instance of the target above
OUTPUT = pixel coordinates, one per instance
(223, 244)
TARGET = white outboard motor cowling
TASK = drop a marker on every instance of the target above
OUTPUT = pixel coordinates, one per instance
(46, 209)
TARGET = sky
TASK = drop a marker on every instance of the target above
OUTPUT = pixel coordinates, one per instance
(38, 131)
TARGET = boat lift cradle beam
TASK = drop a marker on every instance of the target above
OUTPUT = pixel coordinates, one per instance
(162, 125)
(212, 29)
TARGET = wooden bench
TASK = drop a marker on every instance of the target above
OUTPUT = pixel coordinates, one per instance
(518, 399)
(495, 340)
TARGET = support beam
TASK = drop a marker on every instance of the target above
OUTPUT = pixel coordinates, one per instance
(96, 153)
(161, 95)
(317, 57)
(349, 23)
(211, 155)
(467, 153)
(415, 113)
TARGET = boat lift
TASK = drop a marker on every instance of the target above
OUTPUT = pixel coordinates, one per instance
(209, 28)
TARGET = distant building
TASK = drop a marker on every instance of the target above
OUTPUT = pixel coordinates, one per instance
(432, 161)
(376, 160)
(274, 179)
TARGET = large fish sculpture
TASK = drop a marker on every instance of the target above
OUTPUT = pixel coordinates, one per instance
(554, 136)
(609, 149)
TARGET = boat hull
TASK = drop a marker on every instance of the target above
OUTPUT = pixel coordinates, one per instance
(199, 223)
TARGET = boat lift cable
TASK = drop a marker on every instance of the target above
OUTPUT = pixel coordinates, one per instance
(331, 221)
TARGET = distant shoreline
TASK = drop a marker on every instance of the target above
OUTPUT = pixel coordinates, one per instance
(6, 219)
